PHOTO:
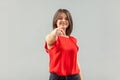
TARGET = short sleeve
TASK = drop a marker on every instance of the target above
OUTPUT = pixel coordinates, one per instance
(74, 40)
(54, 47)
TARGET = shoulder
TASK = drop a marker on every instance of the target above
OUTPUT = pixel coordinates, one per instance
(73, 38)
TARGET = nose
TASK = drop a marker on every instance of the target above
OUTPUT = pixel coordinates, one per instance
(63, 19)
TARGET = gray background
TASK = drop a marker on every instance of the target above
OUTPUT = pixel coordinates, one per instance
(25, 23)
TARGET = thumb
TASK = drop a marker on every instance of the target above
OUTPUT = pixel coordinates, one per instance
(63, 32)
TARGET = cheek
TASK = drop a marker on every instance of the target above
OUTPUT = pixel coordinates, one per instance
(58, 22)
(68, 23)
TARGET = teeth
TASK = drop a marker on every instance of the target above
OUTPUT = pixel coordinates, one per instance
(63, 23)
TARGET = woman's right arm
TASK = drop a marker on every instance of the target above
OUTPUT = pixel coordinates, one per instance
(50, 38)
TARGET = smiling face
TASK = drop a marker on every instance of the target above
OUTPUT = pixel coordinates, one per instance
(62, 21)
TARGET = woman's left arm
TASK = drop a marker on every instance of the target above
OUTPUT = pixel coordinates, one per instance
(80, 74)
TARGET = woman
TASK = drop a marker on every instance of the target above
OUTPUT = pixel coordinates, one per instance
(62, 48)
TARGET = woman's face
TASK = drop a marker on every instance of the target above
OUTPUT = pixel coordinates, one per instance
(62, 21)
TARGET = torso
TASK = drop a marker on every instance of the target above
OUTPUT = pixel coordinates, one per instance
(63, 56)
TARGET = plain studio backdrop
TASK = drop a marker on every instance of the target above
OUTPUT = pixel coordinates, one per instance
(25, 23)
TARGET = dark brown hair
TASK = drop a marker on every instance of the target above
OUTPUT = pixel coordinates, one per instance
(68, 14)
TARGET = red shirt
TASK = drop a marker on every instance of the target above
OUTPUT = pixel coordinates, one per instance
(63, 56)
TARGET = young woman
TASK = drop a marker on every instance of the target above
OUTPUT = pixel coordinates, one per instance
(62, 48)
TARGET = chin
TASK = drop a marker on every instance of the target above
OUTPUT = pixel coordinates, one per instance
(66, 26)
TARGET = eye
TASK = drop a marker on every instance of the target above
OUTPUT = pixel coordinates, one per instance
(66, 18)
(60, 18)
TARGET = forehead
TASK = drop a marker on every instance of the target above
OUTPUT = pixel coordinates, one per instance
(62, 14)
